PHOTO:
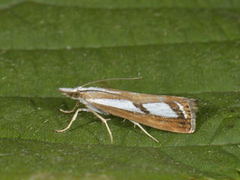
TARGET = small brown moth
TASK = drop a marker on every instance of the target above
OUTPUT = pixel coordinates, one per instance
(169, 113)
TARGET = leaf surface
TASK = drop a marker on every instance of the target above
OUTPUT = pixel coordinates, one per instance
(188, 49)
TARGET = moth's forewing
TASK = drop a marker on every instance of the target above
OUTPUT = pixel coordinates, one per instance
(170, 113)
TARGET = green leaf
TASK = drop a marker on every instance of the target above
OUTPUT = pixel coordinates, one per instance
(186, 48)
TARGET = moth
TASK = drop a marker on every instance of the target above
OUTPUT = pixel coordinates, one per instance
(169, 113)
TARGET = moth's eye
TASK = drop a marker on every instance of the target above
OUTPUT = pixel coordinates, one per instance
(75, 95)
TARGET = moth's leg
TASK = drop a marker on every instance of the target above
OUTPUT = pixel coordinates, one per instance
(70, 111)
(149, 135)
(73, 119)
(105, 122)
(123, 120)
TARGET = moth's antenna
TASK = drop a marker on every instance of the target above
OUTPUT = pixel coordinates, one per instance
(111, 79)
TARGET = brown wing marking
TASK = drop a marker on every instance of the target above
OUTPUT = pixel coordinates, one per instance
(176, 109)
(140, 106)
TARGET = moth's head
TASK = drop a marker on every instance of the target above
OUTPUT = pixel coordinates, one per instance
(73, 93)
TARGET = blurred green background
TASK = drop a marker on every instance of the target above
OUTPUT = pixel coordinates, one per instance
(188, 48)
